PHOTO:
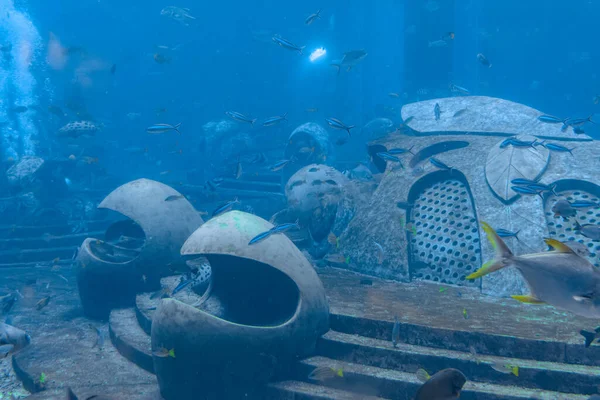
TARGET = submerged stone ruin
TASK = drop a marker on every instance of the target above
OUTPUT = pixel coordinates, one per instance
(436, 234)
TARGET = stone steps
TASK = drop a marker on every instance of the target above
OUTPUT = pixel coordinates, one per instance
(392, 384)
(298, 390)
(365, 380)
(51, 241)
(408, 358)
(373, 367)
(17, 256)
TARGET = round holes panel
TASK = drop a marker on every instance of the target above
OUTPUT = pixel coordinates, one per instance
(564, 230)
(444, 245)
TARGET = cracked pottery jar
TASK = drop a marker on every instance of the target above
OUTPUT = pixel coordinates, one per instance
(136, 252)
(266, 310)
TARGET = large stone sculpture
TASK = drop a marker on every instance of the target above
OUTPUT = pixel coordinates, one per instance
(426, 219)
(267, 308)
(136, 252)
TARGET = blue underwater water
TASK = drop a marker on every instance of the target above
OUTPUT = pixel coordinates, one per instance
(273, 200)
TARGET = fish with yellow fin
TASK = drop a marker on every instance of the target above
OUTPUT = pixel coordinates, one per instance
(164, 353)
(333, 240)
(560, 277)
(326, 373)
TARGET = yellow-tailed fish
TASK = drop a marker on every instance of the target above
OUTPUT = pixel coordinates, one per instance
(559, 277)
(326, 373)
(422, 375)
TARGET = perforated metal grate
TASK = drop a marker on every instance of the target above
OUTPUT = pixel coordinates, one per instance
(446, 246)
(564, 230)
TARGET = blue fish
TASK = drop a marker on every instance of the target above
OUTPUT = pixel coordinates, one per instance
(275, 120)
(578, 130)
(260, 236)
(522, 181)
(225, 207)
(550, 119)
(558, 148)
(518, 143)
(286, 44)
(279, 165)
(337, 124)
(523, 143)
(437, 163)
(506, 142)
(388, 157)
(400, 151)
(578, 121)
(437, 112)
(526, 190)
(183, 283)
(503, 233)
(281, 228)
(584, 204)
(162, 128)
(236, 116)
(542, 187)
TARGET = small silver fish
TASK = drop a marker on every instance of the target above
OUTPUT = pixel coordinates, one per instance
(396, 332)
(380, 252)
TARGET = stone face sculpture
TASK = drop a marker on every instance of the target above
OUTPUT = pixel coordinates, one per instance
(507, 163)
(267, 308)
(137, 252)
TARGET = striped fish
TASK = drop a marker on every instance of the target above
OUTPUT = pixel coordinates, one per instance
(162, 128)
(236, 116)
(225, 207)
(286, 44)
(275, 120)
(337, 124)
(279, 165)
(281, 228)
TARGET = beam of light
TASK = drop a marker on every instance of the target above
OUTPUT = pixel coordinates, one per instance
(318, 53)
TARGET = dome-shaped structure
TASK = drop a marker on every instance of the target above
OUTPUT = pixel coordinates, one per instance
(268, 308)
(135, 252)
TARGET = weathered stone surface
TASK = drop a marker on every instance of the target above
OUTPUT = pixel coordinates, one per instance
(244, 340)
(508, 163)
(22, 173)
(382, 221)
(63, 343)
(485, 115)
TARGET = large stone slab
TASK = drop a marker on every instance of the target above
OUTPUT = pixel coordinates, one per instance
(483, 115)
